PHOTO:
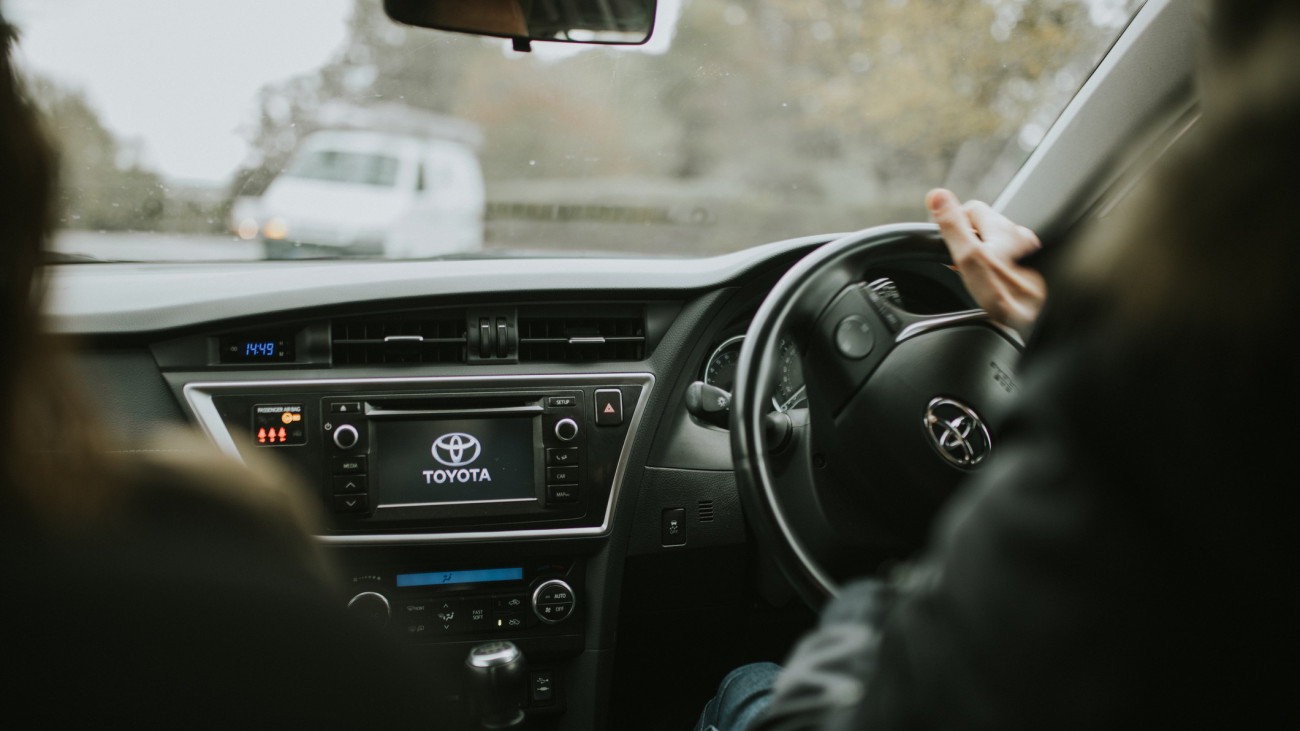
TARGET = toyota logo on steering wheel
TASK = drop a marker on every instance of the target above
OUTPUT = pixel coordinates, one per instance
(456, 449)
(957, 432)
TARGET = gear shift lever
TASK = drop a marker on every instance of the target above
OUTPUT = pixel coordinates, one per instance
(497, 681)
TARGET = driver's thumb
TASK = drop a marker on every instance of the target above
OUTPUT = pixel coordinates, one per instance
(953, 222)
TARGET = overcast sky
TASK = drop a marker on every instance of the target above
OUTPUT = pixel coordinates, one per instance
(180, 76)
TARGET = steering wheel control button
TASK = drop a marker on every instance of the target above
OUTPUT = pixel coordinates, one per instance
(957, 433)
(346, 436)
(566, 430)
(562, 493)
(558, 456)
(854, 338)
(609, 407)
(553, 601)
(672, 527)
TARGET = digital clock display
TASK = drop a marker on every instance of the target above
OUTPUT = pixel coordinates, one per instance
(256, 350)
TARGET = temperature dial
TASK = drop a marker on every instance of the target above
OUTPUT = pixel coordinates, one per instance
(553, 601)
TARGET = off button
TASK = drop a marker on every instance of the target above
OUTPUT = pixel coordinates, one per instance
(609, 407)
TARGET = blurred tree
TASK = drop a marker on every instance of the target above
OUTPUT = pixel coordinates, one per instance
(102, 184)
(931, 77)
(844, 102)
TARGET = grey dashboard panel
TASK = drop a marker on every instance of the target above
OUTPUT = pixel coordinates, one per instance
(106, 299)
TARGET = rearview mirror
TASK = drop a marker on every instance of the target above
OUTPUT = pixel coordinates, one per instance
(626, 22)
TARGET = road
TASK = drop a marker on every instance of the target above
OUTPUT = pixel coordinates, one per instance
(139, 246)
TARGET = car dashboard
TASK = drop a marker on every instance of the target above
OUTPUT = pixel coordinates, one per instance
(499, 448)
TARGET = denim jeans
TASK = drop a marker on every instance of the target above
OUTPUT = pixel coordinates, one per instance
(742, 696)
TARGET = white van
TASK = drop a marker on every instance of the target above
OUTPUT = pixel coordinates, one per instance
(351, 192)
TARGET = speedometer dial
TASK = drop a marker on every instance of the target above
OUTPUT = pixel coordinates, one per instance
(789, 384)
(721, 368)
(787, 391)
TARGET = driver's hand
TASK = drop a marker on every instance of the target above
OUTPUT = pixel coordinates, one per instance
(986, 247)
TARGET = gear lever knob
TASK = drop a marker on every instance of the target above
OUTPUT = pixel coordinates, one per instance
(497, 682)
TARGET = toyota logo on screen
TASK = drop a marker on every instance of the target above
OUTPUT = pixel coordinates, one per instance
(456, 449)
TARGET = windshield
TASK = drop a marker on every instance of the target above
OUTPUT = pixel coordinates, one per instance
(251, 129)
(344, 167)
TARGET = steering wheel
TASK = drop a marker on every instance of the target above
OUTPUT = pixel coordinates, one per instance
(907, 381)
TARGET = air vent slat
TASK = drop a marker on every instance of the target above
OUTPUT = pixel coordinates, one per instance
(396, 339)
(578, 339)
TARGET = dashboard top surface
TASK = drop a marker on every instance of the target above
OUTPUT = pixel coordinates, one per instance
(137, 297)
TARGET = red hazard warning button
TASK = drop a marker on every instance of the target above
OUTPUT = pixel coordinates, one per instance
(609, 407)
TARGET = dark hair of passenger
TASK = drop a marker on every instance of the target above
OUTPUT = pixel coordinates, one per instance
(1207, 241)
(54, 469)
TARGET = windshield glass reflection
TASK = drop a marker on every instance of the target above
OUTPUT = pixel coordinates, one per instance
(250, 129)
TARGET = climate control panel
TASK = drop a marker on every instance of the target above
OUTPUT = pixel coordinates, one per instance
(429, 604)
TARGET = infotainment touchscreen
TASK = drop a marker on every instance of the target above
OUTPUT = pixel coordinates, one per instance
(427, 462)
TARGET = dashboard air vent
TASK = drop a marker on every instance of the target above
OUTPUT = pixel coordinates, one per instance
(575, 339)
(397, 339)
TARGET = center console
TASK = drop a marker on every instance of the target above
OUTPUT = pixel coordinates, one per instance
(458, 506)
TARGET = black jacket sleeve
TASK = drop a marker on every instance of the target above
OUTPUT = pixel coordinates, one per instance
(1111, 566)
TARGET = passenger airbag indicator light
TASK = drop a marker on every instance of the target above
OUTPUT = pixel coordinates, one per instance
(279, 425)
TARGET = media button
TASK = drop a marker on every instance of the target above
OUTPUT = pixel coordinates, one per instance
(561, 401)
(350, 464)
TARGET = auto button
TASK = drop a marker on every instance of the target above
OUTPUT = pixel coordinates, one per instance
(553, 601)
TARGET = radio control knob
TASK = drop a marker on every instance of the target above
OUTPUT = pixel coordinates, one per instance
(372, 607)
(553, 601)
(346, 436)
(566, 430)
